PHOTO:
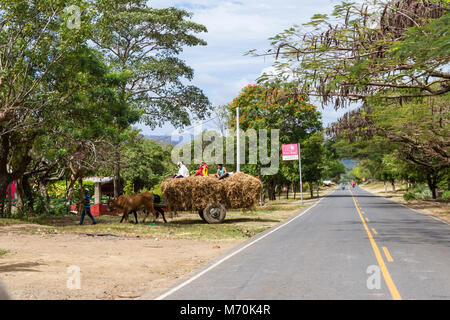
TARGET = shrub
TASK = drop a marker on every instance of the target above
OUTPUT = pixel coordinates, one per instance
(421, 192)
(59, 210)
(57, 190)
(409, 196)
(446, 195)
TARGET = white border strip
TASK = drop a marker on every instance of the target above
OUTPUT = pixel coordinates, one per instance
(168, 293)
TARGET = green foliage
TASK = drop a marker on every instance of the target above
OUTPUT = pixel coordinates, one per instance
(58, 189)
(128, 189)
(146, 161)
(446, 195)
(141, 44)
(420, 192)
(156, 190)
(276, 105)
(394, 49)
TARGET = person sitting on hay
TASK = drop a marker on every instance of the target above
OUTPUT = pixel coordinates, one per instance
(221, 172)
(203, 171)
(183, 172)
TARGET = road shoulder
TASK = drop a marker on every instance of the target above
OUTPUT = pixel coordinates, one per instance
(436, 210)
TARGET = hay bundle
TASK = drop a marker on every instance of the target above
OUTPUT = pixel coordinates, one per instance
(241, 190)
(195, 193)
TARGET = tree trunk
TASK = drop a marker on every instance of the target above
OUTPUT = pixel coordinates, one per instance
(28, 195)
(385, 186)
(3, 188)
(43, 190)
(82, 194)
(8, 206)
(261, 198)
(271, 190)
(311, 190)
(393, 186)
(20, 203)
(117, 174)
(432, 185)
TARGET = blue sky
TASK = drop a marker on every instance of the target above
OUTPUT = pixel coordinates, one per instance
(235, 27)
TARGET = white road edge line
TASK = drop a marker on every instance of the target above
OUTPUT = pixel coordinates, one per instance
(171, 291)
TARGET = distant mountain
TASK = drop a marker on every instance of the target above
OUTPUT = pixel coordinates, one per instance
(349, 163)
(165, 139)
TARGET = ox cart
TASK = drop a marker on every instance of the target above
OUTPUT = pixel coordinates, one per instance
(211, 197)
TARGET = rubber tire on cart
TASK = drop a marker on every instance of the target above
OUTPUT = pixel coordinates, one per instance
(200, 213)
(214, 213)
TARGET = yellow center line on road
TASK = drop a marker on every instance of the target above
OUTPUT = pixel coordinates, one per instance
(387, 254)
(374, 231)
(367, 219)
(384, 270)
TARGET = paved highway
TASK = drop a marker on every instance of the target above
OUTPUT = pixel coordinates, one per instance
(349, 245)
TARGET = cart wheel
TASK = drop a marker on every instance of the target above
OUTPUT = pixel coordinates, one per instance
(214, 213)
(200, 213)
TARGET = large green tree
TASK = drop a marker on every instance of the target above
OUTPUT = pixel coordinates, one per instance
(40, 69)
(274, 106)
(142, 44)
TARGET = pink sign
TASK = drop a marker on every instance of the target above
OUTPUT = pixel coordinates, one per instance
(289, 152)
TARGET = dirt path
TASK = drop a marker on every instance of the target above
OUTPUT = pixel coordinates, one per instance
(112, 267)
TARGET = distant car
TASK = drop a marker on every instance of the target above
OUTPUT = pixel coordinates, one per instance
(327, 182)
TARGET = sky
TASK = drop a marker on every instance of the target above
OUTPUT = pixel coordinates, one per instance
(235, 27)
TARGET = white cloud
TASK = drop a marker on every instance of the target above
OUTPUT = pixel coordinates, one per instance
(235, 27)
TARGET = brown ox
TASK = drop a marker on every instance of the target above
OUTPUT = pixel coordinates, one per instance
(133, 203)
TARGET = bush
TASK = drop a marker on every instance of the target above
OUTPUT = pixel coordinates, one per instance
(421, 192)
(59, 210)
(446, 195)
(409, 196)
(57, 190)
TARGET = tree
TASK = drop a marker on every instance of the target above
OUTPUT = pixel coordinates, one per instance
(36, 43)
(408, 141)
(393, 49)
(147, 162)
(332, 167)
(141, 45)
(272, 106)
(312, 160)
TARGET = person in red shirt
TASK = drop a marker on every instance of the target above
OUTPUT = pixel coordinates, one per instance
(203, 171)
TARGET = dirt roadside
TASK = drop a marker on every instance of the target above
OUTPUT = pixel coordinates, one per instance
(122, 261)
(112, 267)
(440, 210)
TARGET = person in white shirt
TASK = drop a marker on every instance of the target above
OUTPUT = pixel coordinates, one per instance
(183, 172)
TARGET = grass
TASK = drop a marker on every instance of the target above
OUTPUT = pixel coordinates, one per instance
(3, 252)
(239, 224)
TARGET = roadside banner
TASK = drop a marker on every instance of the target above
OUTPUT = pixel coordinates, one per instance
(292, 152)
(289, 152)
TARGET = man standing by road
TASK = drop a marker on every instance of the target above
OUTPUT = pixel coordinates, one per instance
(87, 207)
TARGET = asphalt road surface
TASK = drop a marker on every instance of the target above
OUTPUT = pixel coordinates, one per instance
(350, 245)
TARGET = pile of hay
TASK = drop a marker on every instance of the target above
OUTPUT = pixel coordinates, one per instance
(239, 190)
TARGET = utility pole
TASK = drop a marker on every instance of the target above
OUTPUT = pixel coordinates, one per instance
(300, 171)
(238, 151)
